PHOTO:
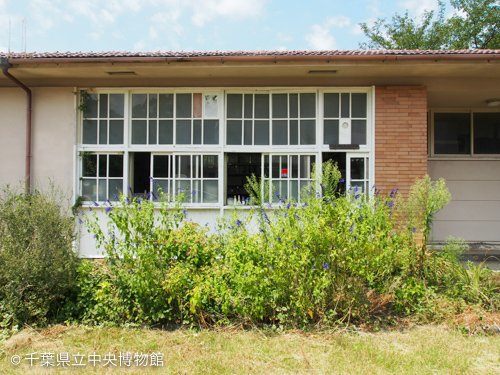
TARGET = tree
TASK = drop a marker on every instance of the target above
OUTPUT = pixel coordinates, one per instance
(475, 24)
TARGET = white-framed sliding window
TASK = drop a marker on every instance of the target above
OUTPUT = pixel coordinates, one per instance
(207, 140)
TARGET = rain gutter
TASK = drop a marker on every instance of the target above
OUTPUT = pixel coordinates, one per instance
(5, 70)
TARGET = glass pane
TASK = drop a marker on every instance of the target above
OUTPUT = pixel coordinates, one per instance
(210, 191)
(196, 162)
(332, 108)
(211, 106)
(284, 167)
(115, 165)
(196, 191)
(275, 167)
(89, 132)
(295, 166)
(197, 106)
(152, 131)
(89, 165)
(183, 132)
(139, 132)
(139, 105)
(153, 105)
(102, 193)
(161, 166)
(248, 106)
(247, 136)
(183, 106)
(261, 105)
(307, 105)
(303, 191)
(89, 189)
(357, 168)
(261, 132)
(367, 168)
(103, 105)
(115, 132)
(211, 132)
(183, 163)
(89, 103)
(294, 105)
(166, 105)
(306, 165)
(103, 165)
(115, 187)
(183, 187)
(116, 105)
(331, 132)
(210, 166)
(280, 132)
(280, 106)
(233, 132)
(161, 188)
(294, 190)
(345, 105)
(294, 132)
(197, 132)
(358, 132)
(307, 132)
(487, 133)
(276, 191)
(359, 105)
(234, 106)
(452, 133)
(284, 190)
(103, 132)
(357, 184)
(266, 165)
(166, 130)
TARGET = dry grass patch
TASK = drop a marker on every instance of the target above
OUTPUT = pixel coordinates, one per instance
(421, 350)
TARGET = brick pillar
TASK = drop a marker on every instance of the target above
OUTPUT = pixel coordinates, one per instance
(400, 136)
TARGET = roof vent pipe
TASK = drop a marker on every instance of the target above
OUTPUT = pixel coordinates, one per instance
(4, 63)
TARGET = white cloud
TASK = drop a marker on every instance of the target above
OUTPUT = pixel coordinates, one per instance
(282, 49)
(416, 8)
(283, 37)
(207, 10)
(338, 21)
(139, 46)
(356, 30)
(320, 38)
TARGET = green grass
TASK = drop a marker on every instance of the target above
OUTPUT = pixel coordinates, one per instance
(421, 350)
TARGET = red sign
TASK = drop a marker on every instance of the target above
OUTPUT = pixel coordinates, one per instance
(284, 173)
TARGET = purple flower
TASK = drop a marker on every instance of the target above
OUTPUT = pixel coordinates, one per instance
(314, 268)
(194, 192)
(414, 230)
(184, 211)
(356, 190)
(357, 196)
(343, 180)
(325, 266)
(246, 274)
(108, 209)
(350, 229)
(95, 204)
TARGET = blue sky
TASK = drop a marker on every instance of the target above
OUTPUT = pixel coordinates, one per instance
(192, 25)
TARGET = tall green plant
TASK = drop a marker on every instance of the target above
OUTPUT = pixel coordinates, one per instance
(37, 259)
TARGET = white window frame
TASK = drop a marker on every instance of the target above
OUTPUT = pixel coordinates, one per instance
(222, 148)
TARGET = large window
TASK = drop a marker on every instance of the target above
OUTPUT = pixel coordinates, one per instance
(204, 144)
(466, 133)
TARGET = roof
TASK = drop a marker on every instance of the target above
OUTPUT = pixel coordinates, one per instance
(249, 54)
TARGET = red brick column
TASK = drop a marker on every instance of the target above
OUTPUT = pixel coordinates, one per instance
(400, 136)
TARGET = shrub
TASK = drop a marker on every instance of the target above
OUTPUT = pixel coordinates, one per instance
(37, 258)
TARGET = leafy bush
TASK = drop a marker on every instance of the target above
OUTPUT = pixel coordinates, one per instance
(323, 261)
(37, 258)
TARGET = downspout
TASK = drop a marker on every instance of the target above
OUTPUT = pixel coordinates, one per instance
(5, 70)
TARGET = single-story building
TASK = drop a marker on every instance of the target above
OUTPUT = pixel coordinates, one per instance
(99, 124)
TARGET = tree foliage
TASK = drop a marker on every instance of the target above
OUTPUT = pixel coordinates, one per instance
(474, 24)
